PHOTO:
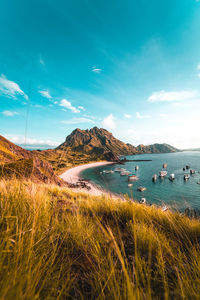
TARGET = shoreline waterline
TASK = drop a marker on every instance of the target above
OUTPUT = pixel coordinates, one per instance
(73, 175)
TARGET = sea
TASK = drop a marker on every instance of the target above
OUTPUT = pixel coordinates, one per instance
(178, 194)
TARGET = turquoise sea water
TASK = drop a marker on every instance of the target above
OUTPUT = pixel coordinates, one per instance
(178, 193)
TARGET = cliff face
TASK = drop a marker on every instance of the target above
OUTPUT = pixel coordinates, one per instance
(96, 141)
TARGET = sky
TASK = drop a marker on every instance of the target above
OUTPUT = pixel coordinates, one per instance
(131, 67)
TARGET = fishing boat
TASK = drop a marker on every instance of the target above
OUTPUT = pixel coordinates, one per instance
(192, 172)
(154, 178)
(109, 172)
(198, 182)
(141, 189)
(183, 169)
(119, 169)
(136, 168)
(143, 201)
(187, 167)
(132, 178)
(125, 173)
(164, 166)
(171, 177)
(186, 176)
(163, 173)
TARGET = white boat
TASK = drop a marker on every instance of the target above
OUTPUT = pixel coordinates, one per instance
(141, 188)
(186, 176)
(120, 169)
(109, 171)
(163, 173)
(154, 178)
(130, 185)
(136, 168)
(143, 200)
(125, 173)
(192, 172)
(172, 177)
(132, 178)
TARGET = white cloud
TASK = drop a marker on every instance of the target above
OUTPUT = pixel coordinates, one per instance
(81, 108)
(96, 70)
(163, 96)
(10, 88)
(127, 116)
(32, 141)
(163, 115)
(67, 104)
(139, 116)
(109, 122)
(45, 94)
(77, 121)
(9, 113)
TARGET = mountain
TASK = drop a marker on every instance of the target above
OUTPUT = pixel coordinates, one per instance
(96, 142)
(101, 143)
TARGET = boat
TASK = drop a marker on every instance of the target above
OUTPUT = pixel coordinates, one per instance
(186, 176)
(164, 166)
(154, 178)
(132, 177)
(183, 169)
(130, 185)
(187, 167)
(162, 173)
(141, 188)
(136, 168)
(198, 182)
(143, 201)
(171, 177)
(164, 208)
(125, 173)
(119, 169)
(109, 171)
(192, 172)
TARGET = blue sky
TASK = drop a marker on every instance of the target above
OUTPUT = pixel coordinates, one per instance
(132, 67)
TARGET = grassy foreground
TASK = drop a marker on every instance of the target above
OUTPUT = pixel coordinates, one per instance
(55, 244)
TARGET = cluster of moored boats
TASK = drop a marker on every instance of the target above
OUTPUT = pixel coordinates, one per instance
(171, 177)
(162, 174)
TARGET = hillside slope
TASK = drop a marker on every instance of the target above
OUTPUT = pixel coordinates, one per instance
(16, 162)
(9, 151)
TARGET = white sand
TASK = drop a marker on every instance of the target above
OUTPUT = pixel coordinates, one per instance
(73, 175)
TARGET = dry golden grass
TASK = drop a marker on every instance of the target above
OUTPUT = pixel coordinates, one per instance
(55, 244)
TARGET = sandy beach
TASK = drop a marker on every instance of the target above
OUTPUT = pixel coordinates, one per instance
(72, 176)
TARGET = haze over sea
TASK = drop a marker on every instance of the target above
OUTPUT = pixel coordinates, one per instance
(178, 193)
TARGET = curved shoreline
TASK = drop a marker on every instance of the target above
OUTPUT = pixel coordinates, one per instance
(72, 176)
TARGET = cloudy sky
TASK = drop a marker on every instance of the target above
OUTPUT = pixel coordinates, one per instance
(132, 67)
